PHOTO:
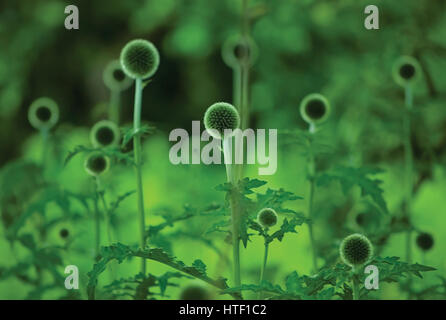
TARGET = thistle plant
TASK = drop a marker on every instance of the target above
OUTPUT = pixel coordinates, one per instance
(96, 164)
(267, 218)
(406, 71)
(43, 115)
(105, 133)
(355, 251)
(219, 117)
(315, 110)
(116, 81)
(139, 60)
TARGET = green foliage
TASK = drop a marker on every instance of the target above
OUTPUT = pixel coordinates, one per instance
(349, 177)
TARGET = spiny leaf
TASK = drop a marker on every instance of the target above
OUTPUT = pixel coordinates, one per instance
(349, 177)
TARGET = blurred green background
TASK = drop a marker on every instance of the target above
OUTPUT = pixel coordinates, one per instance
(304, 46)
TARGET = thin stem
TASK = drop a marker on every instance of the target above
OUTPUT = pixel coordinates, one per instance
(97, 229)
(311, 178)
(355, 286)
(45, 139)
(408, 161)
(227, 148)
(263, 269)
(100, 193)
(138, 173)
(114, 108)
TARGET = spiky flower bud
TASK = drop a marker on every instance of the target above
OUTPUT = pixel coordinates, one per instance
(195, 292)
(219, 117)
(140, 59)
(104, 133)
(115, 78)
(425, 241)
(356, 249)
(267, 217)
(238, 50)
(406, 71)
(315, 108)
(43, 113)
(96, 164)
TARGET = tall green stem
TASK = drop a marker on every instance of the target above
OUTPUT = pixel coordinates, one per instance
(138, 173)
(97, 230)
(408, 159)
(311, 178)
(101, 196)
(355, 285)
(114, 108)
(263, 269)
(45, 139)
(235, 217)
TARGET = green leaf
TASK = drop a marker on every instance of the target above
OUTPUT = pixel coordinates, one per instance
(349, 177)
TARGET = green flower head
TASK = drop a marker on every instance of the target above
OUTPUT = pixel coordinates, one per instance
(356, 250)
(140, 59)
(267, 217)
(315, 108)
(115, 78)
(219, 117)
(96, 164)
(43, 113)
(425, 241)
(406, 71)
(105, 133)
(238, 50)
(195, 292)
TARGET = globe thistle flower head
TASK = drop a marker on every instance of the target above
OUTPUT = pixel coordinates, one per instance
(96, 164)
(105, 133)
(195, 292)
(267, 217)
(238, 50)
(356, 250)
(115, 78)
(140, 59)
(315, 108)
(219, 117)
(406, 71)
(425, 241)
(43, 114)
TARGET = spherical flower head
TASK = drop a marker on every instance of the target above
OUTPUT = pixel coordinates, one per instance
(406, 71)
(115, 78)
(315, 108)
(195, 292)
(104, 134)
(425, 241)
(219, 117)
(356, 250)
(43, 113)
(96, 164)
(238, 50)
(267, 217)
(140, 59)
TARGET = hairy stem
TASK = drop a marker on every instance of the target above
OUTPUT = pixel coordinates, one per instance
(138, 173)
(355, 287)
(263, 269)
